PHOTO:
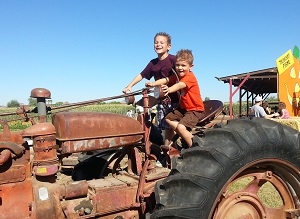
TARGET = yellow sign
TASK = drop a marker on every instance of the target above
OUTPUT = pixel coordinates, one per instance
(289, 82)
(285, 61)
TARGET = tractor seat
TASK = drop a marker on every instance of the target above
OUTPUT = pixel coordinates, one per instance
(213, 108)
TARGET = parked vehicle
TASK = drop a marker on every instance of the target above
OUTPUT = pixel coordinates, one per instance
(116, 173)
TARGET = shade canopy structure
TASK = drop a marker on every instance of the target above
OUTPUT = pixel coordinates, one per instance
(251, 84)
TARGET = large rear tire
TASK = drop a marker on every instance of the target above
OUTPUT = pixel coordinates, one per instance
(262, 150)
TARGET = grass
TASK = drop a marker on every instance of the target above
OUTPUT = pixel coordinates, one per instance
(267, 193)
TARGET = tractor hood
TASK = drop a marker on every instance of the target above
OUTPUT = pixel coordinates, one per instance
(87, 131)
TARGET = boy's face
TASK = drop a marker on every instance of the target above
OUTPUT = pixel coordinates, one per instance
(161, 45)
(182, 67)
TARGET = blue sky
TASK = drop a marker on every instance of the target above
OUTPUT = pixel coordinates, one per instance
(84, 50)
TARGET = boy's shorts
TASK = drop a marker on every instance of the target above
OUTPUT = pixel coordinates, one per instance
(187, 118)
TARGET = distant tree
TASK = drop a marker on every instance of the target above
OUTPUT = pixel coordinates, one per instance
(114, 102)
(207, 99)
(32, 101)
(59, 103)
(272, 99)
(49, 101)
(13, 103)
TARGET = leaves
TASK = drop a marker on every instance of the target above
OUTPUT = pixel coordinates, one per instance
(13, 103)
(296, 52)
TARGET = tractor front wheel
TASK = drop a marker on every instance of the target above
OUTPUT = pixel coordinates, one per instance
(248, 169)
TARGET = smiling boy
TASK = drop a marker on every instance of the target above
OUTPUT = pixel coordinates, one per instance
(158, 68)
(191, 109)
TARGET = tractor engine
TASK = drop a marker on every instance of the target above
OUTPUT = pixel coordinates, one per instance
(32, 184)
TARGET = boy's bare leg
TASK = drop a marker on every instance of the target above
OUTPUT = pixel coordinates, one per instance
(169, 133)
(185, 134)
(172, 124)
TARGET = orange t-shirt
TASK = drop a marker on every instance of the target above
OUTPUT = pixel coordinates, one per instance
(190, 96)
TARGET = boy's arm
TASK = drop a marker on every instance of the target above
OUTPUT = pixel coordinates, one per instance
(174, 88)
(157, 82)
(136, 80)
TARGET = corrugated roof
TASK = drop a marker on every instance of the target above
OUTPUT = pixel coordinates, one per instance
(260, 82)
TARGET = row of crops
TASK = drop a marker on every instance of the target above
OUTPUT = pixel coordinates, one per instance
(15, 122)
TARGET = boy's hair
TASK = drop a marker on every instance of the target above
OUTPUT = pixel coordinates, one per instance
(185, 55)
(165, 35)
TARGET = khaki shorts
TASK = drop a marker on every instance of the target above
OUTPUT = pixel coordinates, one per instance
(187, 118)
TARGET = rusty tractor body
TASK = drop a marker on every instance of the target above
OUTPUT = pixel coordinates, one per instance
(31, 182)
(122, 179)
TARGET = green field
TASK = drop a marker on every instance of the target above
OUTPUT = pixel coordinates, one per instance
(16, 122)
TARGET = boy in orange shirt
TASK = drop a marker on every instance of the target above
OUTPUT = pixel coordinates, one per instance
(191, 109)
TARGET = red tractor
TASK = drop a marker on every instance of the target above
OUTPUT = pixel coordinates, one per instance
(116, 173)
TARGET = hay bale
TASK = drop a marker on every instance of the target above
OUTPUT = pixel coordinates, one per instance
(293, 122)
